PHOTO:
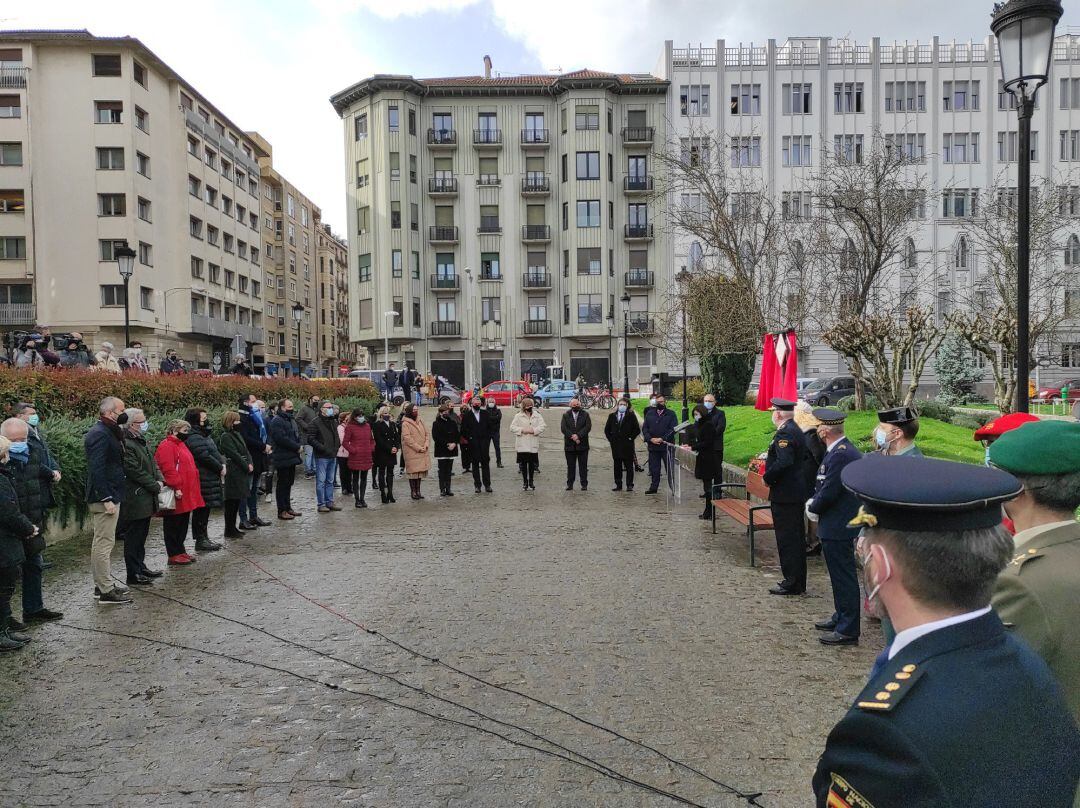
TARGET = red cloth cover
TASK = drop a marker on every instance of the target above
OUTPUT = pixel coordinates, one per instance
(769, 368)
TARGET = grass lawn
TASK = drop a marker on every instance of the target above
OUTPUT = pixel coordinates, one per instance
(749, 432)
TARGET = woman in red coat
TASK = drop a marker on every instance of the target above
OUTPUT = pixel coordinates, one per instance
(180, 474)
(360, 444)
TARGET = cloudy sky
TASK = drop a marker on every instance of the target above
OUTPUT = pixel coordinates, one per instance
(249, 56)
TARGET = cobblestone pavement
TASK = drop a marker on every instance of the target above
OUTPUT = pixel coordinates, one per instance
(621, 608)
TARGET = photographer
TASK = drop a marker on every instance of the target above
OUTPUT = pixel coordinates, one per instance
(27, 355)
(75, 354)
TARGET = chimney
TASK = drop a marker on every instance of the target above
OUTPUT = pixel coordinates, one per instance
(487, 67)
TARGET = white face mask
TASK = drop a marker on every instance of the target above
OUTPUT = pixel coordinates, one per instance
(652, 402)
(622, 408)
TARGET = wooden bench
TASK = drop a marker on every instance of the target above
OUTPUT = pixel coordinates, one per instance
(743, 511)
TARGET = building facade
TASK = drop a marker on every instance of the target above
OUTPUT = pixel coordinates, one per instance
(495, 224)
(941, 103)
(337, 356)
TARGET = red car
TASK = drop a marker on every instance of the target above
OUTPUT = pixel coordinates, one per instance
(505, 393)
(1048, 393)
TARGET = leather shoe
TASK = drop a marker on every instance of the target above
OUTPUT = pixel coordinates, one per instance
(139, 580)
(569, 488)
(813, 551)
(295, 513)
(285, 515)
(825, 625)
(617, 488)
(260, 522)
(152, 573)
(489, 490)
(782, 590)
(832, 638)
(15, 625)
(42, 615)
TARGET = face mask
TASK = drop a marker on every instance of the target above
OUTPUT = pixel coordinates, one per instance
(19, 447)
(697, 416)
(121, 419)
(622, 408)
(652, 402)
(287, 413)
(360, 419)
(33, 420)
(491, 405)
(528, 410)
(880, 438)
(986, 459)
(476, 406)
(144, 427)
(182, 435)
(660, 407)
(386, 417)
(709, 405)
(137, 351)
(328, 412)
(576, 407)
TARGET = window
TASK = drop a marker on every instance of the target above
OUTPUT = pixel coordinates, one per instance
(146, 298)
(107, 248)
(146, 254)
(745, 99)
(534, 128)
(215, 274)
(847, 97)
(139, 72)
(106, 64)
(412, 169)
(563, 168)
(395, 165)
(960, 95)
(446, 310)
(395, 215)
(142, 164)
(362, 223)
(210, 195)
(1069, 94)
(210, 158)
(112, 294)
(1069, 145)
(637, 215)
(590, 309)
(1070, 355)
(489, 267)
(796, 150)
(108, 112)
(912, 146)
(961, 147)
(905, 96)
(959, 203)
(143, 206)
(243, 286)
(745, 151)
(416, 312)
(392, 117)
(588, 261)
(444, 266)
(1008, 143)
(227, 243)
(412, 121)
(10, 106)
(588, 165)
(797, 99)
(11, 154)
(694, 151)
(566, 309)
(395, 263)
(414, 216)
(562, 119)
(112, 205)
(588, 213)
(365, 267)
(1069, 200)
(414, 268)
(848, 148)
(12, 247)
(212, 234)
(1072, 251)
(142, 120)
(110, 158)
(796, 205)
(537, 308)
(491, 309)
(961, 255)
(488, 171)
(360, 126)
(226, 205)
(694, 99)
(586, 117)
(230, 279)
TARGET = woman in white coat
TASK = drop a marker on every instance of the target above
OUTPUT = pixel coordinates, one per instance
(526, 428)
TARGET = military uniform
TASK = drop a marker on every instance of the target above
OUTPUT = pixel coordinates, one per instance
(787, 497)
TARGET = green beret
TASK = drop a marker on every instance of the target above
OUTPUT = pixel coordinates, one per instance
(1040, 447)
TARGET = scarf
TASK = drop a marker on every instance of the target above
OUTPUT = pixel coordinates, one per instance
(22, 457)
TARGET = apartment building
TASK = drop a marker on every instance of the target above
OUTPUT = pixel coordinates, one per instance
(495, 223)
(102, 143)
(940, 102)
(337, 355)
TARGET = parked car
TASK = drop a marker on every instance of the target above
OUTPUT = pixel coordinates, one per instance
(505, 392)
(827, 391)
(556, 393)
(802, 384)
(449, 393)
(1053, 391)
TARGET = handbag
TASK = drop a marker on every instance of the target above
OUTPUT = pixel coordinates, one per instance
(266, 482)
(166, 499)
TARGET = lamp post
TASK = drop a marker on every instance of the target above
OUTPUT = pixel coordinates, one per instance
(298, 315)
(625, 300)
(683, 279)
(1025, 36)
(125, 262)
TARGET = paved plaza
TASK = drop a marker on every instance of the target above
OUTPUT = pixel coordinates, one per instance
(621, 609)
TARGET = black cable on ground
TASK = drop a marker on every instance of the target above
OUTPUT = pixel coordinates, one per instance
(390, 703)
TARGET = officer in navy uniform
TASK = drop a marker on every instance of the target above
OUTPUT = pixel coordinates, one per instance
(787, 497)
(834, 506)
(957, 712)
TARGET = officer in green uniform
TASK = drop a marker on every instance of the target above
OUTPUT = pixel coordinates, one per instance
(896, 431)
(1038, 594)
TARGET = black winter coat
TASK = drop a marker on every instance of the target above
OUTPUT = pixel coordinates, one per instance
(34, 439)
(621, 436)
(209, 462)
(285, 438)
(476, 435)
(815, 454)
(719, 425)
(142, 480)
(445, 431)
(31, 484)
(387, 436)
(322, 435)
(14, 527)
(249, 431)
(237, 477)
(104, 448)
(494, 420)
(705, 466)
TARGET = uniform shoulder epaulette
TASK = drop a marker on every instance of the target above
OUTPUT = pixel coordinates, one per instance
(884, 696)
(1022, 558)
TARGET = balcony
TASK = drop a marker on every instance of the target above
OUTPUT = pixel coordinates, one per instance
(446, 283)
(488, 180)
(443, 234)
(489, 224)
(535, 137)
(640, 323)
(18, 314)
(638, 279)
(536, 233)
(637, 184)
(537, 328)
(442, 138)
(12, 77)
(487, 138)
(632, 135)
(638, 232)
(535, 185)
(442, 186)
(534, 279)
(446, 328)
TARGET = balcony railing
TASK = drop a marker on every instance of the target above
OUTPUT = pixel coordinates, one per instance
(638, 231)
(536, 184)
(442, 137)
(535, 137)
(445, 328)
(442, 234)
(639, 279)
(537, 328)
(536, 232)
(640, 322)
(635, 184)
(12, 77)
(637, 134)
(489, 179)
(442, 185)
(489, 224)
(446, 282)
(536, 280)
(18, 313)
(487, 137)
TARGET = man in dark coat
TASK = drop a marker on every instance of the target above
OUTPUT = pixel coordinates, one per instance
(142, 483)
(787, 497)
(389, 379)
(15, 530)
(211, 466)
(575, 427)
(621, 430)
(254, 432)
(105, 483)
(323, 437)
(170, 365)
(938, 722)
(285, 438)
(658, 430)
(476, 435)
(494, 427)
(833, 507)
(718, 422)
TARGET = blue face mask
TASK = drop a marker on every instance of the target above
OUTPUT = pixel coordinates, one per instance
(880, 438)
(19, 447)
(144, 426)
(709, 405)
(33, 420)
(622, 408)
(986, 460)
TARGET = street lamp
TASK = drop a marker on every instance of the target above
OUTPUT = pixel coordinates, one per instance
(683, 279)
(125, 261)
(625, 300)
(1025, 36)
(298, 315)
